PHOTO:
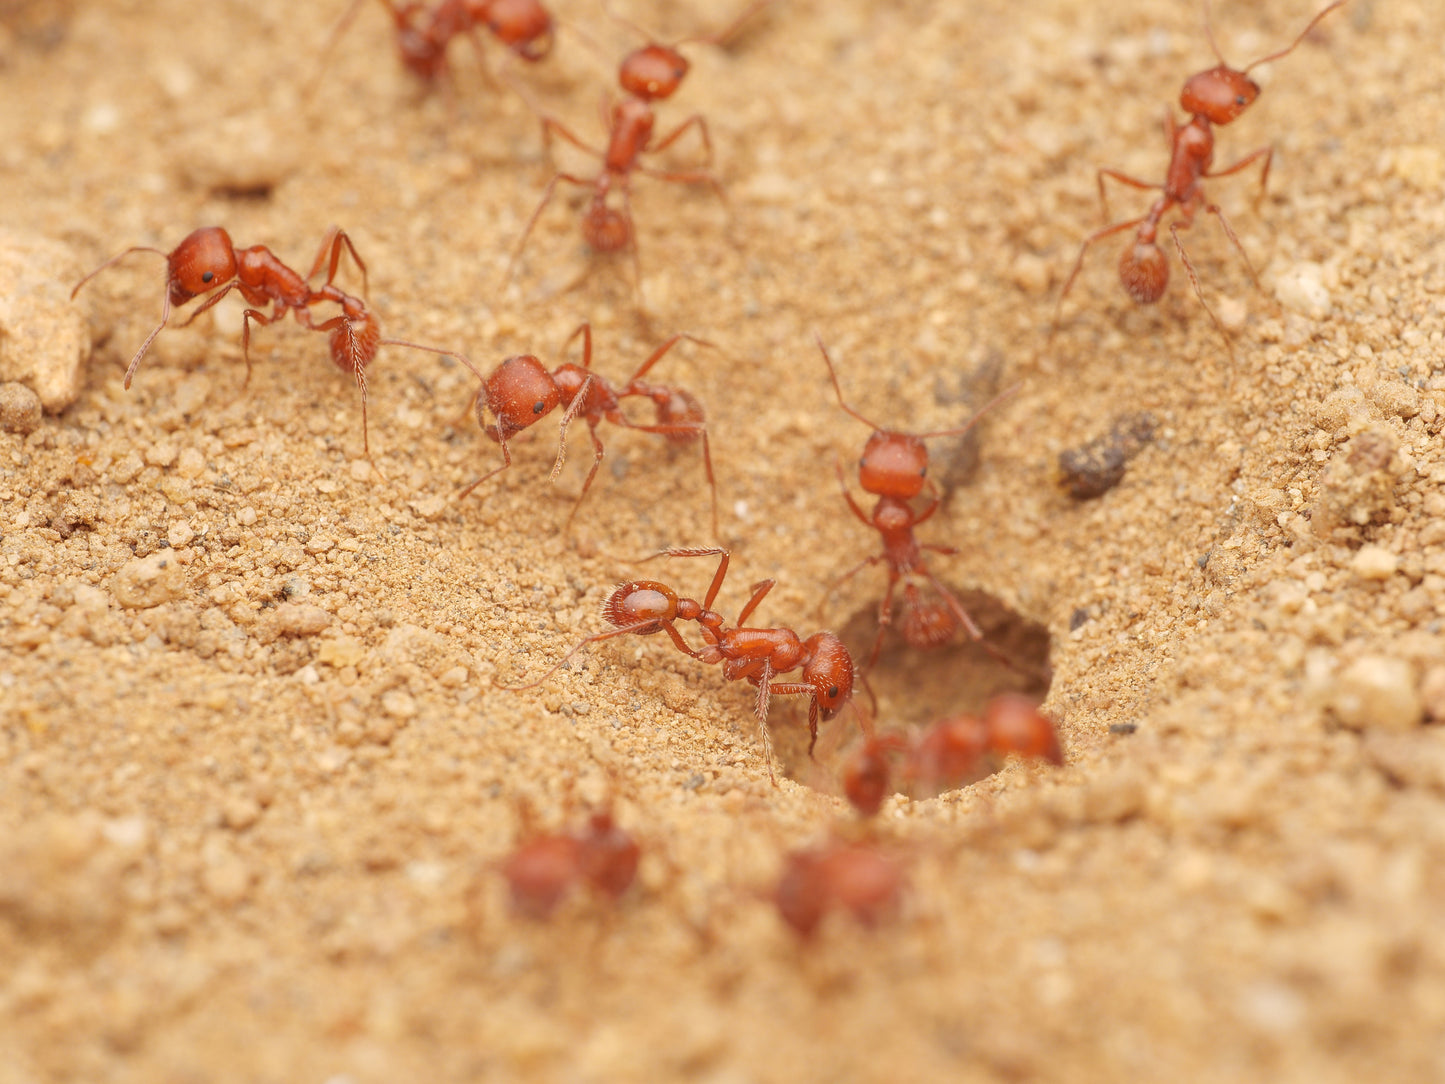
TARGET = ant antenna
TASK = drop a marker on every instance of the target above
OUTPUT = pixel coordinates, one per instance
(1302, 35)
(837, 388)
(1007, 393)
(115, 260)
(1209, 33)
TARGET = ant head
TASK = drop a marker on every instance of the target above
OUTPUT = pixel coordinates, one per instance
(204, 260)
(520, 392)
(652, 72)
(1144, 271)
(893, 465)
(523, 26)
(829, 670)
(1219, 94)
(638, 602)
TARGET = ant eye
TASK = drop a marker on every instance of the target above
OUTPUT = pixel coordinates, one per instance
(539, 406)
(1240, 100)
(832, 692)
(923, 472)
(208, 276)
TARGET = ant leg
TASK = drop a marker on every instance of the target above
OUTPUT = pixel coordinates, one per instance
(760, 591)
(848, 496)
(342, 25)
(691, 177)
(885, 618)
(657, 354)
(572, 408)
(1174, 229)
(1267, 153)
(585, 330)
(262, 319)
(703, 551)
(595, 638)
(506, 460)
(1123, 178)
(1107, 231)
(531, 222)
(800, 688)
(676, 429)
(695, 121)
(760, 709)
(597, 452)
(550, 124)
(841, 580)
(334, 239)
(1234, 239)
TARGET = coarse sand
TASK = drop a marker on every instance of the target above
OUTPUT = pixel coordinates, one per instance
(257, 774)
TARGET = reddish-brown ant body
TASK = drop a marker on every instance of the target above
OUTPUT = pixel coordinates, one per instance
(894, 468)
(650, 74)
(757, 655)
(1216, 96)
(520, 392)
(424, 33)
(855, 877)
(206, 261)
(951, 753)
(544, 868)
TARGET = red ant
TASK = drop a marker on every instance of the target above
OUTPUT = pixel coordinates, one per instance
(520, 392)
(855, 877)
(757, 655)
(952, 752)
(206, 260)
(542, 870)
(424, 33)
(894, 467)
(1215, 96)
(649, 74)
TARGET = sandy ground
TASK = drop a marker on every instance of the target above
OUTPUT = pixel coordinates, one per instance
(253, 788)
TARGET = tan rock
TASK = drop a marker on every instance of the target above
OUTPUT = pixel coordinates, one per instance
(44, 336)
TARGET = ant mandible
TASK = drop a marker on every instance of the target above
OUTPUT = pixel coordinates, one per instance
(424, 33)
(757, 655)
(206, 260)
(649, 74)
(520, 392)
(1215, 96)
(894, 468)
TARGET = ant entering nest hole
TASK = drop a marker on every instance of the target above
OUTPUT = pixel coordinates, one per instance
(917, 687)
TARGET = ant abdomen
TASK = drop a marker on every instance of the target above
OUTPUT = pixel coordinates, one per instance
(640, 602)
(1144, 272)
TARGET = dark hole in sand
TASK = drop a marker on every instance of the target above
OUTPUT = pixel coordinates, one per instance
(917, 687)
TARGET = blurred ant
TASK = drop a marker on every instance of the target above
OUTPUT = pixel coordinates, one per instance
(206, 260)
(894, 468)
(951, 753)
(545, 867)
(647, 75)
(423, 33)
(855, 877)
(520, 392)
(1215, 96)
(757, 655)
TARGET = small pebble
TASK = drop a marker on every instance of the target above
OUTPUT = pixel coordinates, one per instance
(1374, 563)
(180, 534)
(149, 581)
(301, 619)
(1376, 691)
(44, 335)
(398, 704)
(1302, 289)
(20, 409)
